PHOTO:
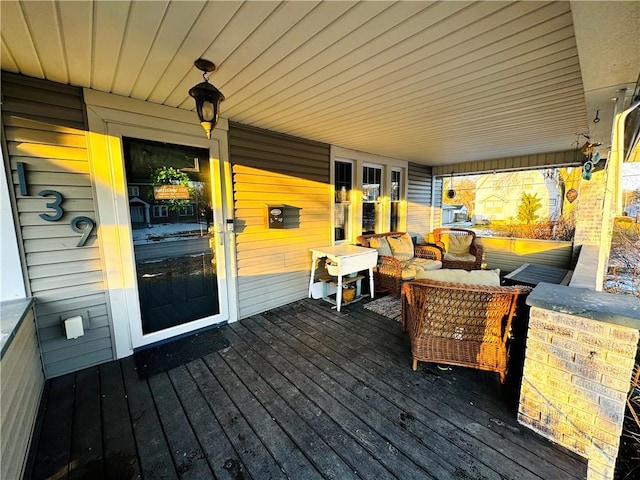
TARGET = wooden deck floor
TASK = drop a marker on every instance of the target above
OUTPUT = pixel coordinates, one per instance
(303, 392)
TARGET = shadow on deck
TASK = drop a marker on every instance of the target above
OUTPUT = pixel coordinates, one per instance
(303, 392)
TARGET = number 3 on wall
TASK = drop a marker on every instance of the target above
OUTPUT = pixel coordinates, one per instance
(83, 225)
(55, 205)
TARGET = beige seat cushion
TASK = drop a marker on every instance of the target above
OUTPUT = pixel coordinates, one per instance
(454, 275)
(456, 244)
(382, 245)
(414, 267)
(465, 257)
(402, 247)
(408, 273)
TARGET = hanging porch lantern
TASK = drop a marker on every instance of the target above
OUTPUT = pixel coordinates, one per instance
(451, 193)
(207, 97)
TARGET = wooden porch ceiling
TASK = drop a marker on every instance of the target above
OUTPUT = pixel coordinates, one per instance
(303, 392)
(431, 82)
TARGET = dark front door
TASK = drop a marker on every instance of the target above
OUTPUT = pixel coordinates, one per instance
(175, 256)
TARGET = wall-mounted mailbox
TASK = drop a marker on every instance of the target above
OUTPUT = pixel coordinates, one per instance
(275, 216)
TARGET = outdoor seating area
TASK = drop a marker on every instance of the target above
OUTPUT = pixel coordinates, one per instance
(399, 260)
(300, 392)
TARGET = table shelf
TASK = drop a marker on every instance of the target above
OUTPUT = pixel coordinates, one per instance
(348, 259)
(333, 281)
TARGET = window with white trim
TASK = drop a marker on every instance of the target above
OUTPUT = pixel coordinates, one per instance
(369, 195)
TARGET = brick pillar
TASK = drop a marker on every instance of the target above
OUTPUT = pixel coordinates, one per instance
(576, 378)
(589, 210)
(594, 216)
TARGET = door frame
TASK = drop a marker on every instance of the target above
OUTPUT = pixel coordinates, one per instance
(110, 118)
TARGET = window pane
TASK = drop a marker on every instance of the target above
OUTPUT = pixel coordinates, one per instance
(368, 218)
(395, 185)
(371, 190)
(343, 181)
(371, 179)
(342, 221)
(395, 216)
(395, 210)
(343, 184)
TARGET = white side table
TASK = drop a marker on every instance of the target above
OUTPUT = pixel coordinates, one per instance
(349, 259)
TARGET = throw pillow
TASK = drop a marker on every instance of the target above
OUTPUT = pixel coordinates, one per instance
(456, 244)
(454, 275)
(381, 244)
(402, 247)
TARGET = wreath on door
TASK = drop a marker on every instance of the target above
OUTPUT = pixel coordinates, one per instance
(171, 176)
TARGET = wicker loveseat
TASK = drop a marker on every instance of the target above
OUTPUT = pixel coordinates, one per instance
(459, 324)
(451, 240)
(395, 267)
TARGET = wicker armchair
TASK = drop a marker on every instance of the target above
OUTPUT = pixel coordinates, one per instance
(459, 324)
(471, 261)
(388, 273)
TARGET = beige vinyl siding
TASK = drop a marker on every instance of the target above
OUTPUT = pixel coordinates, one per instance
(20, 392)
(271, 169)
(508, 254)
(44, 127)
(419, 188)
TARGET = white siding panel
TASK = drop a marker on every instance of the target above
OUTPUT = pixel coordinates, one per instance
(44, 128)
(20, 392)
(273, 264)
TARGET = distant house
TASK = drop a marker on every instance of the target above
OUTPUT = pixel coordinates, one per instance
(498, 197)
(454, 214)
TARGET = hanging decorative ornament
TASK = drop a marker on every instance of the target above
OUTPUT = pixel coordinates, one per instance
(572, 195)
(451, 193)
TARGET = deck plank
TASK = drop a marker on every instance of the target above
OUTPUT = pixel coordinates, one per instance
(290, 458)
(120, 456)
(302, 391)
(359, 460)
(186, 450)
(52, 459)
(86, 444)
(253, 454)
(324, 459)
(338, 402)
(213, 440)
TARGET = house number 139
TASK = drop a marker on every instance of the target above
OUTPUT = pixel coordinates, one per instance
(83, 225)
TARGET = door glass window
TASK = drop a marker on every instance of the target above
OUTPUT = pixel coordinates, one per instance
(175, 258)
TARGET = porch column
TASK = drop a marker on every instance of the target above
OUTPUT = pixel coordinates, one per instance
(579, 360)
(594, 222)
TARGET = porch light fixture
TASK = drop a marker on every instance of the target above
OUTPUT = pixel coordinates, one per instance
(207, 97)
